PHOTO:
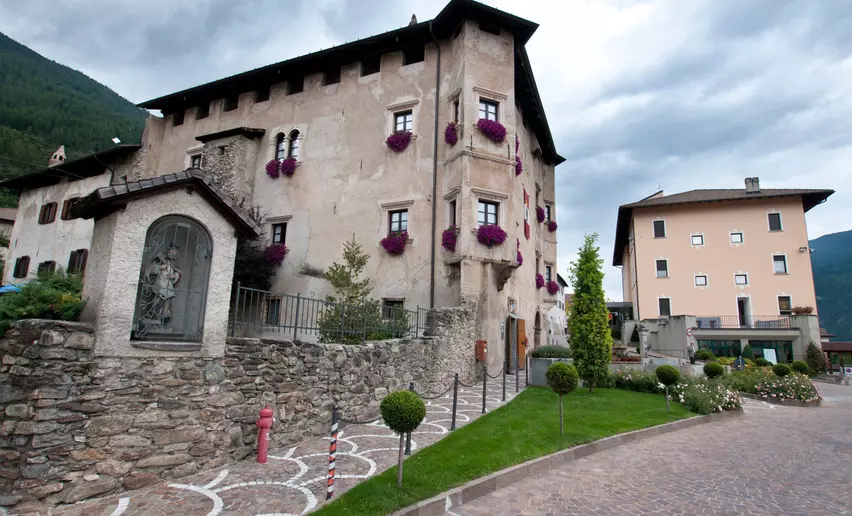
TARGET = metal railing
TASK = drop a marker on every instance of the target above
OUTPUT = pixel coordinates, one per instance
(257, 312)
(748, 321)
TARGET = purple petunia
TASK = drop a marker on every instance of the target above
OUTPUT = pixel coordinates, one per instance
(539, 281)
(551, 226)
(451, 133)
(552, 288)
(518, 167)
(539, 213)
(288, 167)
(273, 168)
(275, 253)
(492, 129)
(520, 258)
(394, 243)
(399, 140)
(449, 238)
(491, 235)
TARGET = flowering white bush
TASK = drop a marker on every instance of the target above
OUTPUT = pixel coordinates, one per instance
(705, 396)
(766, 384)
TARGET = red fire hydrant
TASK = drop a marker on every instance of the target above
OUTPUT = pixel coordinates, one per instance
(263, 425)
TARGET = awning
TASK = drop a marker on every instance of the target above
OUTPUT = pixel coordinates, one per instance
(837, 346)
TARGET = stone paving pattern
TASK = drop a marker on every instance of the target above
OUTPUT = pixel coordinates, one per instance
(294, 480)
(772, 460)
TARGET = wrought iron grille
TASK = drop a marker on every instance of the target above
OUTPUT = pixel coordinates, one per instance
(172, 292)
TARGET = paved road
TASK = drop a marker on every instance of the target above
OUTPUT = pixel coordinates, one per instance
(294, 480)
(773, 460)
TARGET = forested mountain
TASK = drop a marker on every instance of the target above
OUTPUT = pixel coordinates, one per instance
(44, 104)
(832, 265)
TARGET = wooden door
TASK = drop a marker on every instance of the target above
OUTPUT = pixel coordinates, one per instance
(522, 342)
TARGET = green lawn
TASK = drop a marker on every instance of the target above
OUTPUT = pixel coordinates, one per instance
(526, 428)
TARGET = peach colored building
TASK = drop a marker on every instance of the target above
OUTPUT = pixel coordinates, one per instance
(733, 259)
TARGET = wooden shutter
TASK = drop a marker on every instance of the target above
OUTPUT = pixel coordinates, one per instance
(522, 337)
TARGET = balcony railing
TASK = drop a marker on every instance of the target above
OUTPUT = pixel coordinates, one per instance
(748, 321)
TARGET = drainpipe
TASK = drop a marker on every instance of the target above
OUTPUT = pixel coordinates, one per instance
(635, 267)
(435, 169)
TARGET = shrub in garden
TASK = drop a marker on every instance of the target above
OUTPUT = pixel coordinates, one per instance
(748, 353)
(705, 354)
(55, 296)
(799, 366)
(402, 412)
(490, 235)
(726, 360)
(637, 381)
(563, 379)
(815, 359)
(762, 362)
(713, 369)
(551, 352)
(781, 370)
(668, 376)
(704, 396)
(591, 341)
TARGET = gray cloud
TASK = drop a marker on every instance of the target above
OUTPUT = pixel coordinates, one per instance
(639, 93)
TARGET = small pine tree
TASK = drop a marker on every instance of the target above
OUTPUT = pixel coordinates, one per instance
(815, 360)
(591, 341)
(346, 277)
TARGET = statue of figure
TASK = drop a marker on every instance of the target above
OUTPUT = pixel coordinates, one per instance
(164, 277)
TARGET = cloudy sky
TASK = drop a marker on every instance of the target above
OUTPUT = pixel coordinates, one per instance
(680, 94)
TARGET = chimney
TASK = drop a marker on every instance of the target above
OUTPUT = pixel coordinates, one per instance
(755, 184)
(58, 157)
(413, 20)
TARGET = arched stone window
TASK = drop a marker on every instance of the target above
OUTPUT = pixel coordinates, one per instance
(280, 147)
(293, 151)
(172, 291)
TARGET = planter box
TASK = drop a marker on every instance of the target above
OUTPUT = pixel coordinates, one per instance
(538, 369)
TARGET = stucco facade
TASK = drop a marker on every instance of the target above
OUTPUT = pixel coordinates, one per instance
(719, 259)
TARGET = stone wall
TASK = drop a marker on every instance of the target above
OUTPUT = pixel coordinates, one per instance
(73, 425)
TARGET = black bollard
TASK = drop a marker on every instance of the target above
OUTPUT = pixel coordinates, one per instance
(455, 400)
(505, 366)
(484, 384)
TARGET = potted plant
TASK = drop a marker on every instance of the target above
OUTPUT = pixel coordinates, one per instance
(451, 133)
(275, 253)
(490, 235)
(273, 168)
(492, 130)
(288, 167)
(551, 226)
(398, 141)
(449, 238)
(539, 281)
(552, 288)
(539, 213)
(395, 242)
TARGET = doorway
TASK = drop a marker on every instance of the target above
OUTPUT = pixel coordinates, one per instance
(744, 311)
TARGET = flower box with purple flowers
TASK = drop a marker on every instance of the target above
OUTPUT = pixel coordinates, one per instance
(275, 253)
(539, 281)
(552, 288)
(551, 226)
(394, 243)
(493, 130)
(490, 235)
(539, 213)
(399, 141)
(449, 238)
(451, 133)
(288, 167)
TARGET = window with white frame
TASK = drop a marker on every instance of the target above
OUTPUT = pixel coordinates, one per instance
(397, 221)
(701, 280)
(779, 263)
(403, 121)
(281, 147)
(195, 161)
(775, 222)
(662, 268)
(295, 144)
(488, 109)
(547, 213)
(487, 212)
(665, 306)
(785, 305)
(697, 240)
(737, 237)
(547, 273)
(659, 229)
(741, 279)
(279, 233)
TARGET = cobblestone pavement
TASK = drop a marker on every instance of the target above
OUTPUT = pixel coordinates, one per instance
(772, 460)
(294, 480)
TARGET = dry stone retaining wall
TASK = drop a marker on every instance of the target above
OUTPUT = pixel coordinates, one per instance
(73, 425)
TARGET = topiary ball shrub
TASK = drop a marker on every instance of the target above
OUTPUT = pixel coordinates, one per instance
(799, 367)
(402, 411)
(705, 354)
(781, 370)
(562, 377)
(713, 369)
(762, 362)
(668, 375)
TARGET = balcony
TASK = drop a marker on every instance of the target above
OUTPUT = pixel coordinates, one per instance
(757, 322)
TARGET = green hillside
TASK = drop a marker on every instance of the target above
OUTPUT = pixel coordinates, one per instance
(832, 265)
(44, 104)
